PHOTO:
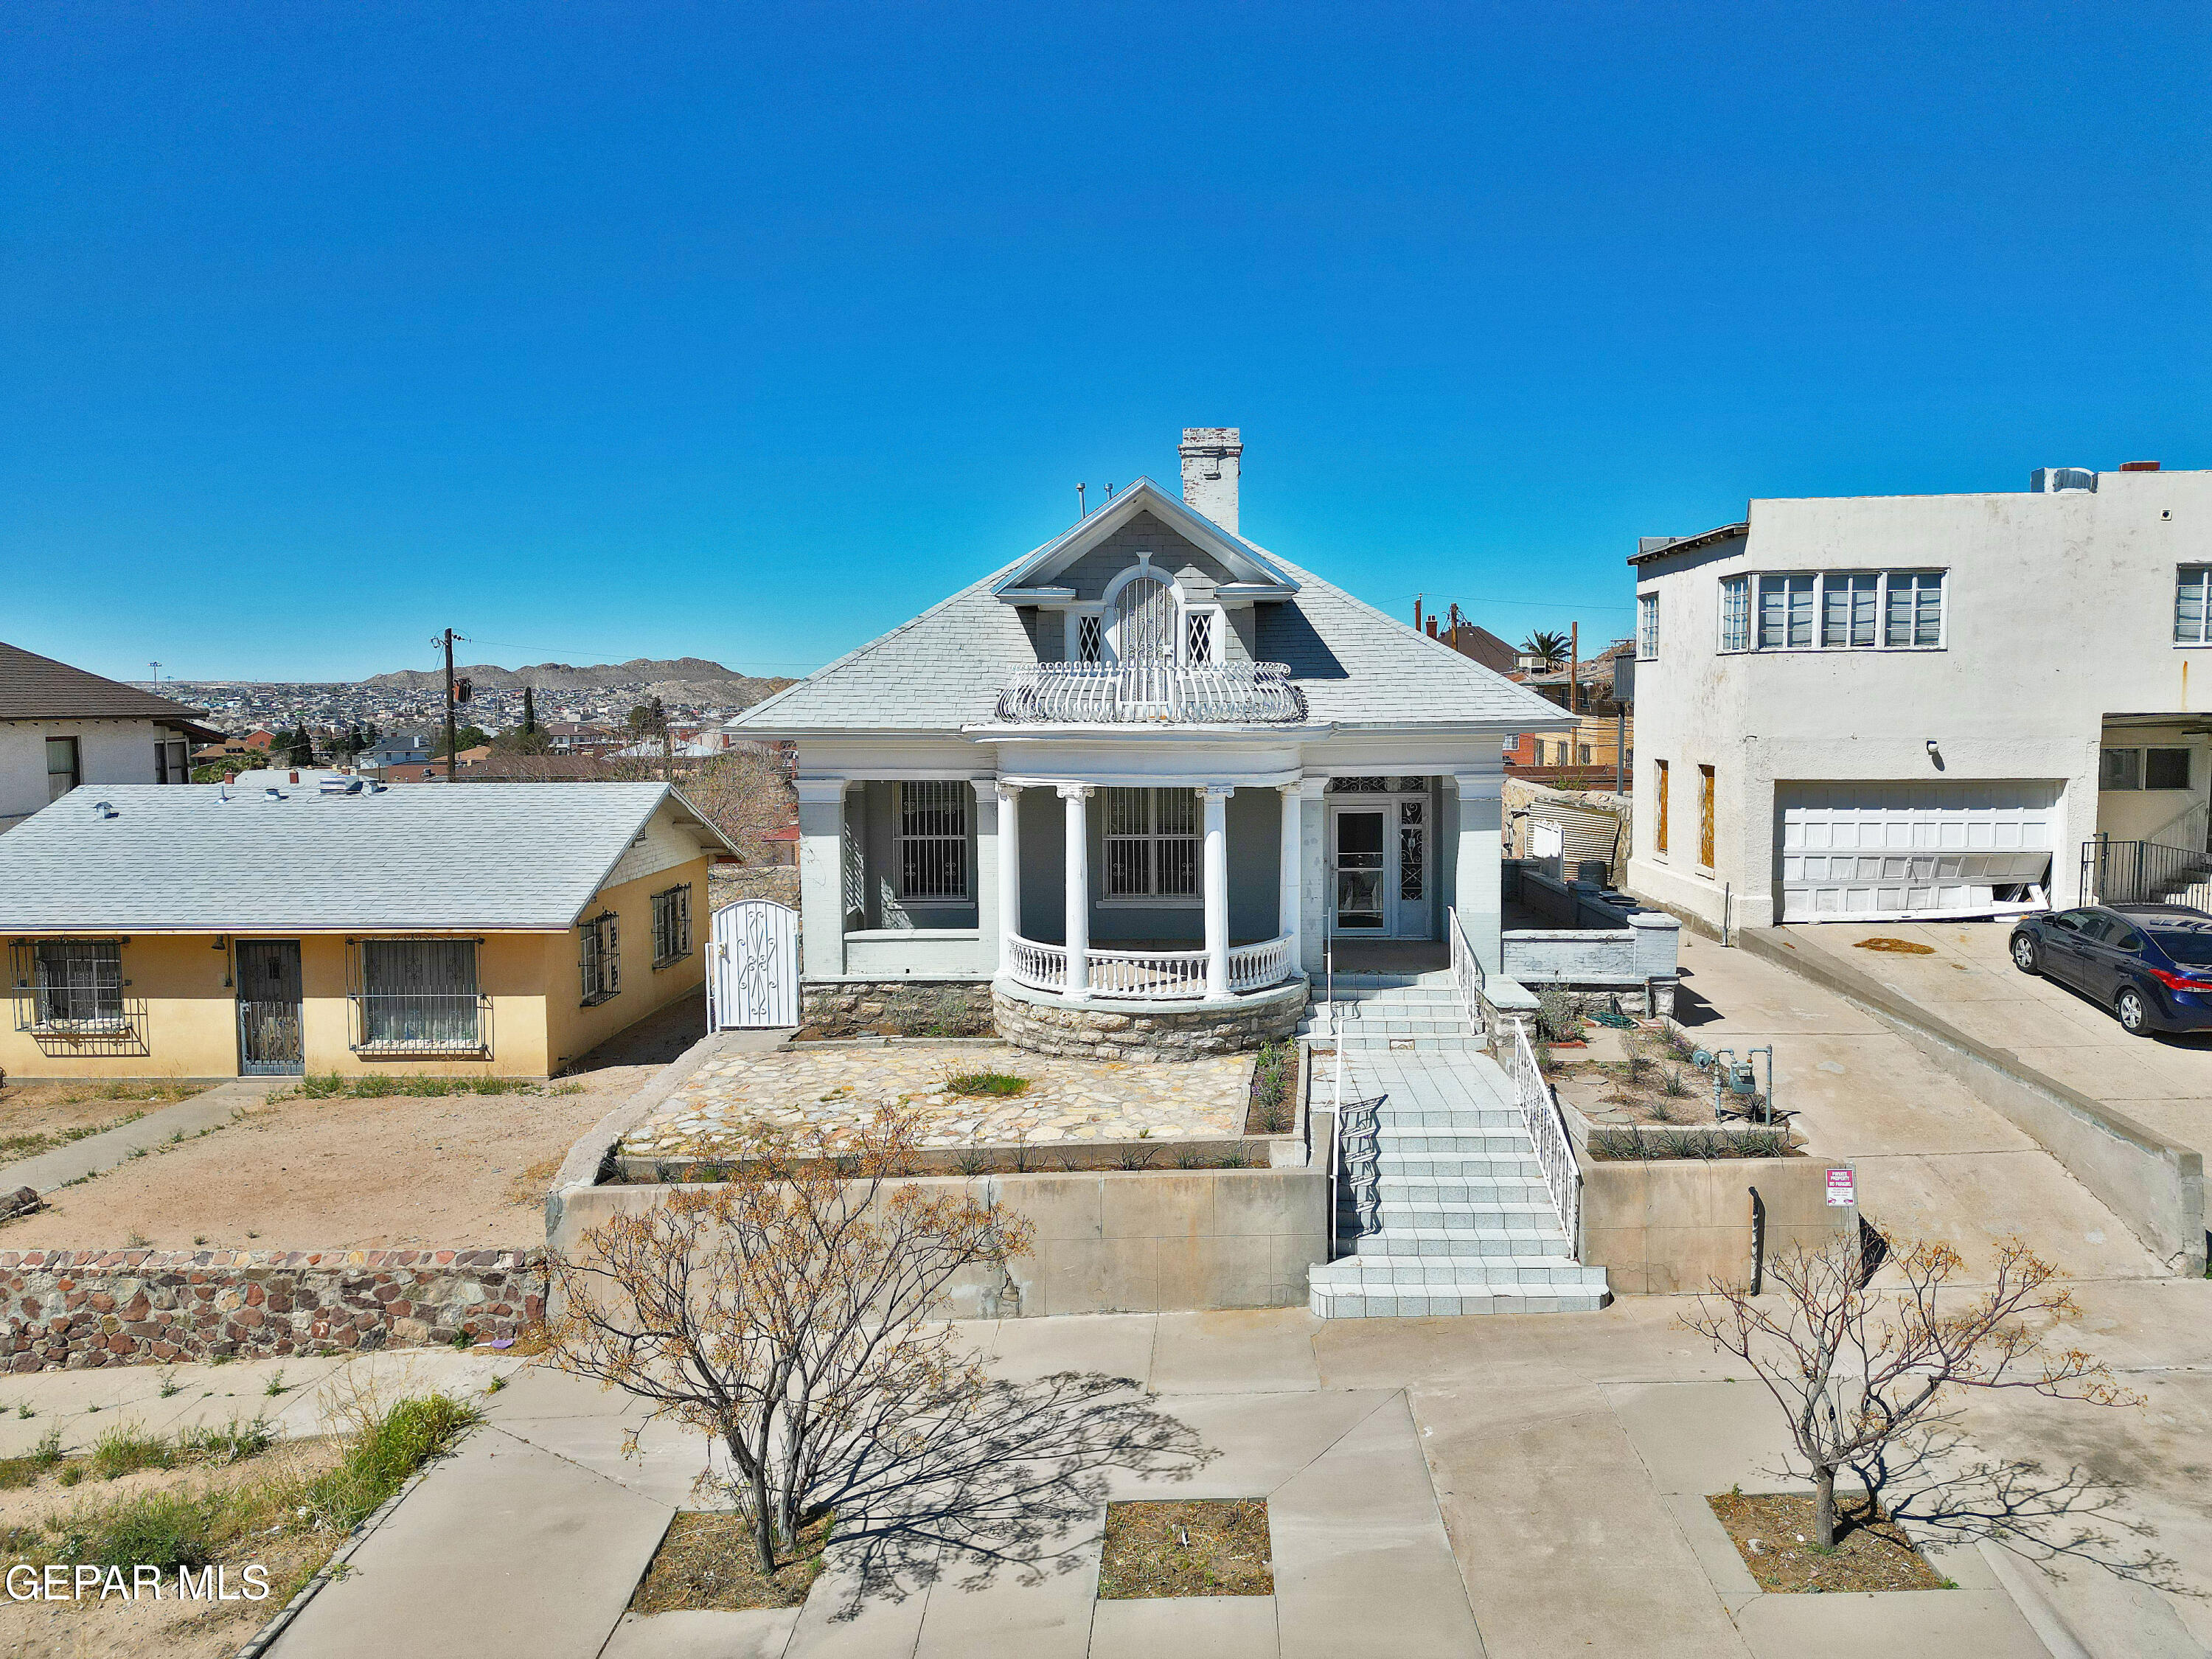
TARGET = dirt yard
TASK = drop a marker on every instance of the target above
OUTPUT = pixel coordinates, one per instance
(453, 1172)
(38, 1117)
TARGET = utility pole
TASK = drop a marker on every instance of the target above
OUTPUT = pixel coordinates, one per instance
(1574, 687)
(447, 639)
(156, 668)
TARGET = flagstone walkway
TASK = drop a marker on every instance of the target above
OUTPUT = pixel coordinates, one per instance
(835, 1089)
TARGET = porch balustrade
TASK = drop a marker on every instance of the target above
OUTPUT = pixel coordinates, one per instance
(1150, 976)
(1149, 692)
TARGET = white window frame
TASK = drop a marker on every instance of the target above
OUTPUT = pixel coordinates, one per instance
(1208, 620)
(1734, 614)
(1087, 636)
(953, 796)
(1841, 609)
(1154, 841)
(2189, 631)
(1647, 628)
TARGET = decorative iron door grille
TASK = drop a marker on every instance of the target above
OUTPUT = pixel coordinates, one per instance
(269, 996)
(753, 971)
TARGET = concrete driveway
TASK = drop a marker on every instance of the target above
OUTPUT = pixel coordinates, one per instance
(1934, 1161)
(1968, 979)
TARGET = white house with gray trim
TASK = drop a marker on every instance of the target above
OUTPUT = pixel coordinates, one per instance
(1921, 705)
(1136, 780)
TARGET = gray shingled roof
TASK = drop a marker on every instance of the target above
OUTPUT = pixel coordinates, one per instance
(36, 688)
(182, 858)
(1357, 666)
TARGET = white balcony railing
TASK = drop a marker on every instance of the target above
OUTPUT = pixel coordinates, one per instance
(1148, 693)
(1150, 976)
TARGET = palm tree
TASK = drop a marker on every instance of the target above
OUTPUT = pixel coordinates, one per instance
(1550, 649)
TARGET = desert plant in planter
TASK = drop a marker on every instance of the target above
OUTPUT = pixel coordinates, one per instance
(1872, 1381)
(781, 1312)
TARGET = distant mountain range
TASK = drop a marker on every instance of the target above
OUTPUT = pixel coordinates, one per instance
(674, 679)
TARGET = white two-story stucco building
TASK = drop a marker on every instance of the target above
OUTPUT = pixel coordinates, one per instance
(1928, 705)
(1132, 781)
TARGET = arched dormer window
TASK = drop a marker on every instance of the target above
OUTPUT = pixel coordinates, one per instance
(1145, 616)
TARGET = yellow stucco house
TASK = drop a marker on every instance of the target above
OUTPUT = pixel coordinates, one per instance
(210, 932)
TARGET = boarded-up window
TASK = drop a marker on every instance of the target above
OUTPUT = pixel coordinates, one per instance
(1706, 816)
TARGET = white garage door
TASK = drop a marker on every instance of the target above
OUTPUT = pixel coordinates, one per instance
(1884, 850)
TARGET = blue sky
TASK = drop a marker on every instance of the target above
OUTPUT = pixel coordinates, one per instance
(746, 333)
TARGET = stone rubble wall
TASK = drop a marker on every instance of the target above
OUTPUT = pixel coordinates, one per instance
(899, 1008)
(1072, 1031)
(71, 1309)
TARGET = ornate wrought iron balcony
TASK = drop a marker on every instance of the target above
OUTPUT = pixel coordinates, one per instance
(1152, 693)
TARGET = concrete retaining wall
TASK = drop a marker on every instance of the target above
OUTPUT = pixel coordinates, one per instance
(70, 1309)
(1107, 1241)
(1660, 1227)
(2154, 1185)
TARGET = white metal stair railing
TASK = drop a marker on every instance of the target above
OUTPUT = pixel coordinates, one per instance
(1467, 970)
(1547, 1129)
(1146, 690)
(1360, 1136)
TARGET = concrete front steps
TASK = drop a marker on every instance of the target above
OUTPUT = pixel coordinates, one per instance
(1466, 1224)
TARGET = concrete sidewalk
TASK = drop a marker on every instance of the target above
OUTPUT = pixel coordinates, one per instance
(97, 1153)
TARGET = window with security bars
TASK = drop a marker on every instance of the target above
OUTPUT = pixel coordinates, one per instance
(933, 839)
(1090, 634)
(1412, 848)
(418, 996)
(599, 962)
(1198, 637)
(1735, 613)
(1151, 843)
(74, 985)
(671, 926)
(2192, 604)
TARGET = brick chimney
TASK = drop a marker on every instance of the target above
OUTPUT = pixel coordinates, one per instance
(1212, 458)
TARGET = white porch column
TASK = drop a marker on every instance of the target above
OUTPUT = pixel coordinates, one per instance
(1288, 888)
(822, 876)
(1217, 888)
(1010, 873)
(1078, 889)
(1477, 876)
(1313, 869)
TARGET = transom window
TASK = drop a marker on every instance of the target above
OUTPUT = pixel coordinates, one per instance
(1834, 609)
(1151, 843)
(671, 926)
(933, 839)
(2192, 605)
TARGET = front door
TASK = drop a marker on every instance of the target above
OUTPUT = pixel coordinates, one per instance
(1362, 888)
(269, 1044)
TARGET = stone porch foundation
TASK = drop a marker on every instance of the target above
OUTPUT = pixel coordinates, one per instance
(1105, 1028)
(894, 1007)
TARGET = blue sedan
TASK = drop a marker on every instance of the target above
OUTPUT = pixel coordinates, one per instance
(2150, 965)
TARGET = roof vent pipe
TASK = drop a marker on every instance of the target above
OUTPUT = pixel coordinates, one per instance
(103, 809)
(272, 792)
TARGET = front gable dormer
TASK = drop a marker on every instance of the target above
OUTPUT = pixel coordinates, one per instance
(1146, 579)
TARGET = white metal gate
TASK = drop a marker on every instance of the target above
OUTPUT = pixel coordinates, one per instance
(752, 968)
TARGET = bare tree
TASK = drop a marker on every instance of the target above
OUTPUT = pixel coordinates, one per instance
(1871, 1382)
(781, 1312)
